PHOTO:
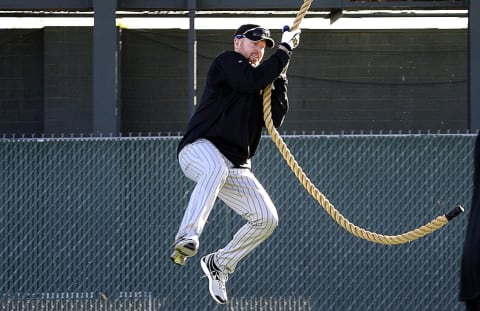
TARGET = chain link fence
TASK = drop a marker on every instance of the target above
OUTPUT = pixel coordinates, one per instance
(88, 224)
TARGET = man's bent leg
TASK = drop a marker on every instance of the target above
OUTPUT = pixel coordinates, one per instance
(202, 163)
(243, 193)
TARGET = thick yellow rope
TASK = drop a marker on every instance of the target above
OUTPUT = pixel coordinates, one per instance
(406, 237)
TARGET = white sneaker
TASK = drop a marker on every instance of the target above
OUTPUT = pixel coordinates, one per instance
(216, 279)
(183, 249)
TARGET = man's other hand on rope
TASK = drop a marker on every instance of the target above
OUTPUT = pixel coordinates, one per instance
(290, 38)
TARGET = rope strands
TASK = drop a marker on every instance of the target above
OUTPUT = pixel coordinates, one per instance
(357, 231)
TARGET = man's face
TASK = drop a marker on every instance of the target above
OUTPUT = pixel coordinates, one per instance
(251, 50)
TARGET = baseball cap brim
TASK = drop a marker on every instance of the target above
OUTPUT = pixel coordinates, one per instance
(269, 41)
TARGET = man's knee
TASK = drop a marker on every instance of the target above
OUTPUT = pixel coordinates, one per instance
(266, 221)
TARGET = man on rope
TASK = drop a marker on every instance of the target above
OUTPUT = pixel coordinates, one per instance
(470, 267)
(221, 138)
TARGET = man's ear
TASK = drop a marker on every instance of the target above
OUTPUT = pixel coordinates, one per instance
(236, 43)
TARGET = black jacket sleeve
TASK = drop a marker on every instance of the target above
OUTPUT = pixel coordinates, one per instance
(244, 78)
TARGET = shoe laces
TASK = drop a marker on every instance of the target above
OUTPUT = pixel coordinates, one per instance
(217, 274)
(221, 276)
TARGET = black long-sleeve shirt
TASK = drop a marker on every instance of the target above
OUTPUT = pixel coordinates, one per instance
(230, 113)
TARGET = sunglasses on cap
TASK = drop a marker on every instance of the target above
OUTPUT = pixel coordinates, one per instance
(256, 34)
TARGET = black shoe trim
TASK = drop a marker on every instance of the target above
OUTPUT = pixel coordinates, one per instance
(211, 264)
(190, 246)
(220, 299)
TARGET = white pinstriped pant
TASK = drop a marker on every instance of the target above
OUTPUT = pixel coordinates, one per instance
(216, 176)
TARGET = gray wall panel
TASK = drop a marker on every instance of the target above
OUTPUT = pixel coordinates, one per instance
(68, 80)
(21, 81)
(339, 80)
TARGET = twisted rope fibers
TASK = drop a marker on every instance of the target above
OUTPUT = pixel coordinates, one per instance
(357, 231)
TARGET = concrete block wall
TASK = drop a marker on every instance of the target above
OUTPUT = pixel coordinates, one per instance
(68, 80)
(379, 80)
(342, 80)
(21, 81)
(338, 80)
(154, 66)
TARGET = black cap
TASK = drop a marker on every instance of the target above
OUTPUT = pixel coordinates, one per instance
(255, 33)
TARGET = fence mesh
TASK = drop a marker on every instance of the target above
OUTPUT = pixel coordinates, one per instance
(87, 224)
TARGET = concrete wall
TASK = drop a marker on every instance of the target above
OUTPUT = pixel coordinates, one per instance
(390, 80)
(68, 80)
(21, 81)
(342, 80)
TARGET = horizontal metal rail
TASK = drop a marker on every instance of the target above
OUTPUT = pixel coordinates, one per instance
(246, 5)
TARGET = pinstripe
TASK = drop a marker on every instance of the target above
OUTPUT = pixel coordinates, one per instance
(246, 196)
(216, 177)
(203, 165)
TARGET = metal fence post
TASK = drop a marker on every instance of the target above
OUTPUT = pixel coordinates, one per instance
(105, 79)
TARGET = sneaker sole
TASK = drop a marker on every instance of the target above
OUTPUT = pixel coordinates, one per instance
(186, 249)
(205, 269)
(178, 258)
(182, 252)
